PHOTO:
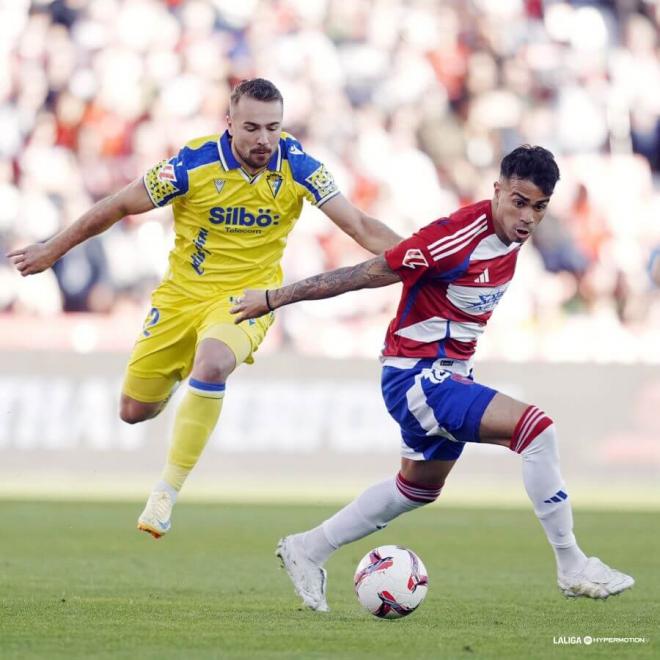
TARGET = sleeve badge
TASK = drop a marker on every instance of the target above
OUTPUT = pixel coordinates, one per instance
(414, 257)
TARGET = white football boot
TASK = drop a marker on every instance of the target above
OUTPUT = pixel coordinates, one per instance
(155, 519)
(595, 580)
(309, 579)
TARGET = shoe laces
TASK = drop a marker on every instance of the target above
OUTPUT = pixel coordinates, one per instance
(160, 505)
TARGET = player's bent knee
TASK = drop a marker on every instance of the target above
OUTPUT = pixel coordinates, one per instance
(131, 416)
(133, 412)
(214, 366)
(531, 424)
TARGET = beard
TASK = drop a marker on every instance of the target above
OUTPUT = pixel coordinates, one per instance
(250, 159)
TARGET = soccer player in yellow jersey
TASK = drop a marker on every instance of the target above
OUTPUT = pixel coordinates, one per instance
(235, 198)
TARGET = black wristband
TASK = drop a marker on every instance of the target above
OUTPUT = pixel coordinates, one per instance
(270, 308)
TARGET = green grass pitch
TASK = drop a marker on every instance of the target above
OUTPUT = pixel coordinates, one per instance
(78, 581)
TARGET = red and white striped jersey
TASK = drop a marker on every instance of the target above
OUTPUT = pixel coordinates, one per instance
(454, 272)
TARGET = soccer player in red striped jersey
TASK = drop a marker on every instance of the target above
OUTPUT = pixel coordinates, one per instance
(454, 272)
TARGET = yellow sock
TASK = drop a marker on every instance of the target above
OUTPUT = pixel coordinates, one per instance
(195, 420)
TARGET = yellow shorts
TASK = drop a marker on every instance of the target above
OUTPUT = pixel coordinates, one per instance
(164, 352)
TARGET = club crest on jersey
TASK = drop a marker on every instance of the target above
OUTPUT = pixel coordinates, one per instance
(414, 257)
(167, 173)
(219, 184)
(274, 183)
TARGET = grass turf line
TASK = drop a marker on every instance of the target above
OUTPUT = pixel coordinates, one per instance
(78, 581)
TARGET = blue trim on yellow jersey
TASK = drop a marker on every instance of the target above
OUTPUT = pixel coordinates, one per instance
(227, 157)
(182, 188)
(327, 198)
(275, 163)
(303, 166)
(157, 187)
(205, 154)
(188, 158)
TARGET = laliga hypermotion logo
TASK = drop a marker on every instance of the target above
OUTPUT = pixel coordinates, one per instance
(167, 173)
(414, 257)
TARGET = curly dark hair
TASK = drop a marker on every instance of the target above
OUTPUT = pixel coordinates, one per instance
(533, 163)
(257, 88)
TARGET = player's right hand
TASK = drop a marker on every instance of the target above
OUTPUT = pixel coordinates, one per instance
(32, 259)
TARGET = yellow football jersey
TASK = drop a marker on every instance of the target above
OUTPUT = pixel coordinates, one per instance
(231, 227)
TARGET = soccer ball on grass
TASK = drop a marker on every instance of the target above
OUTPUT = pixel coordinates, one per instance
(391, 581)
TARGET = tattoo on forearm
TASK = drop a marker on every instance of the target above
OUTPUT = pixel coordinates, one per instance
(366, 275)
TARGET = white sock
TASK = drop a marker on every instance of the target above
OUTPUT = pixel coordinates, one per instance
(163, 485)
(369, 512)
(545, 488)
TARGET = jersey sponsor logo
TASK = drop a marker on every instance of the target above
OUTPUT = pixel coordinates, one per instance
(198, 257)
(483, 278)
(475, 299)
(321, 180)
(219, 185)
(239, 216)
(274, 183)
(486, 302)
(167, 173)
(414, 257)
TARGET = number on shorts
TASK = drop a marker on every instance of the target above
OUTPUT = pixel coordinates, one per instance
(150, 321)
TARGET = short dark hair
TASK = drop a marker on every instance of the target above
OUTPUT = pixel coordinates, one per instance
(534, 163)
(257, 88)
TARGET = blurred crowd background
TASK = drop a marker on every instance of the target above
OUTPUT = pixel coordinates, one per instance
(410, 103)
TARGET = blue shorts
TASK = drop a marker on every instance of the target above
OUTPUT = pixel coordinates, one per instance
(438, 411)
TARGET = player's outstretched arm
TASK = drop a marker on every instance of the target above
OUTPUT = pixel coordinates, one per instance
(366, 275)
(368, 232)
(37, 257)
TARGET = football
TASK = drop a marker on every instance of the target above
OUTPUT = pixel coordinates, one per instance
(391, 582)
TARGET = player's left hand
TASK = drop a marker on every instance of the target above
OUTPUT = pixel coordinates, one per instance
(250, 305)
(33, 258)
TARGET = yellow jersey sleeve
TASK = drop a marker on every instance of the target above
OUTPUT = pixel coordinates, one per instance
(317, 183)
(166, 180)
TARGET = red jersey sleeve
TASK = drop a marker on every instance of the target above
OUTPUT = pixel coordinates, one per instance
(415, 256)
(441, 247)
(409, 259)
